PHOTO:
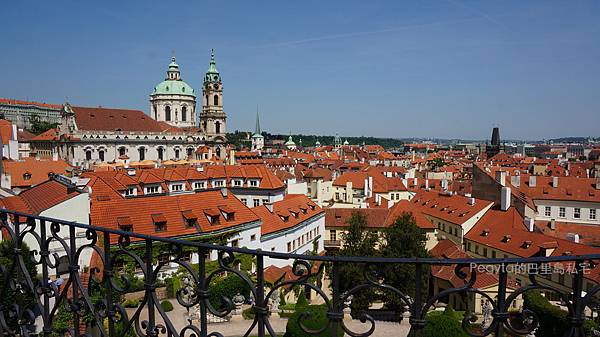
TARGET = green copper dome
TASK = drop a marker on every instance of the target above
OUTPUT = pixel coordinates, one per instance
(212, 74)
(173, 85)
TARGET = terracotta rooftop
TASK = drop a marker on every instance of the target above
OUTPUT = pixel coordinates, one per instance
(40, 197)
(287, 213)
(29, 171)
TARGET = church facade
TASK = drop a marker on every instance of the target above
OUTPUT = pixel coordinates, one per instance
(174, 131)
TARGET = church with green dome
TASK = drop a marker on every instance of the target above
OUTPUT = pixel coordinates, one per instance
(174, 101)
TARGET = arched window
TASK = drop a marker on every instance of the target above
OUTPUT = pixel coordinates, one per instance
(217, 127)
(142, 152)
(101, 155)
(168, 113)
(88, 155)
(206, 103)
(177, 154)
(216, 99)
(184, 114)
(204, 126)
(121, 151)
(155, 113)
(218, 152)
(190, 152)
(160, 153)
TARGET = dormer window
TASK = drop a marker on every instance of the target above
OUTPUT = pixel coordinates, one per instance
(284, 217)
(199, 185)
(191, 220)
(304, 210)
(130, 191)
(177, 187)
(213, 215)
(506, 238)
(485, 232)
(527, 244)
(294, 213)
(26, 176)
(218, 183)
(160, 222)
(253, 183)
(125, 224)
(237, 183)
(228, 212)
(152, 189)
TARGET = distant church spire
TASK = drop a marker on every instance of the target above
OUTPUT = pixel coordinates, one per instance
(257, 128)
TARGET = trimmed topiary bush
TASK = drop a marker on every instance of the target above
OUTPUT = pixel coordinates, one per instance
(227, 287)
(445, 324)
(131, 303)
(166, 305)
(301, 302)
(317, 320)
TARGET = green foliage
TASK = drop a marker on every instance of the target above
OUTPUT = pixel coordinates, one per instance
(302, 302)
(248, 313)
(403, 239)
(173, 284)
(131, 303)
(9, 296)
(437, 163)
(38, 126)
(358, 241)
(446, 324)
(61, 322)
(227, 287)
(166, 305)
(552, 319)
(316, 321)
(282, 298)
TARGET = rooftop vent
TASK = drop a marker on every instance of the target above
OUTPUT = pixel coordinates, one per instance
(506, 238)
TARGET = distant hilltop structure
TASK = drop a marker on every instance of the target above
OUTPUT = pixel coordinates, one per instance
(494, 147)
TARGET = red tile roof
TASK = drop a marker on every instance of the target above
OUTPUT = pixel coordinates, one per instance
(452, 208)
(40, 197)
(36, 170)
(5, 131)
(174, 209)
(292, 207)
(381, 184)
(9, 101)
(108, 119)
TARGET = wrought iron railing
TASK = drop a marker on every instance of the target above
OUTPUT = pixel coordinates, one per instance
(33, 295)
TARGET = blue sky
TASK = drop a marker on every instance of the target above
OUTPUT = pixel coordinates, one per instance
(447, 69)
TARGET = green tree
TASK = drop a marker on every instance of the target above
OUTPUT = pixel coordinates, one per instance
(357, 241)
(445, 324)
(404, 239)
(38, 126)
(25, 300)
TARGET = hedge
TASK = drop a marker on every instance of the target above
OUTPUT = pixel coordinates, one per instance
(316, 321)
(446, 324)
(131, 303)
(166, 305)
(227, 287)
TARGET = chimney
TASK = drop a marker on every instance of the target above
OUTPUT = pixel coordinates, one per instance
(529, 223)
(555, 182)
(366, 189)
(471, 201)
(532, 181)
(269, 206)
(573, 237)
(427, 184)
(501, 177)
(416, 182)
(515, 180)
(553, 224)
(370, 186)
(505, 198)
(224, 192)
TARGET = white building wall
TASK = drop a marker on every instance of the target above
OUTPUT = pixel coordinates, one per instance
(278, 242)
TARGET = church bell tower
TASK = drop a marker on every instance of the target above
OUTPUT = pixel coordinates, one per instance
(212, 117)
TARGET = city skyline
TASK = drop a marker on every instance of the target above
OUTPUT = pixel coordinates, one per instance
(428, 70)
